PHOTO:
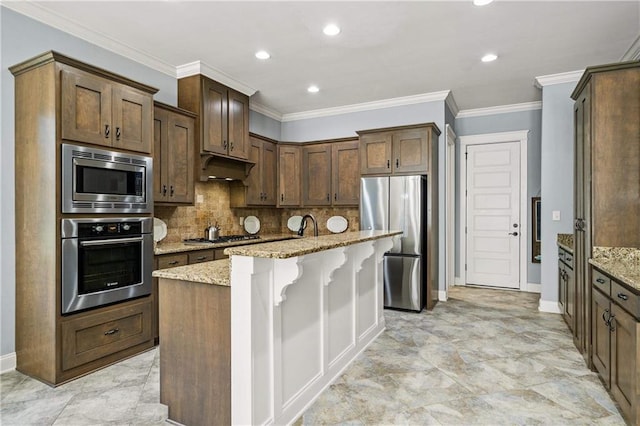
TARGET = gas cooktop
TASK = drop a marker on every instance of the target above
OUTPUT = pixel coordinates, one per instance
(223, 239)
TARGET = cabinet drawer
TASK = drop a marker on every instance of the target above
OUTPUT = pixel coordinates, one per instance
(626, 299)
(93, 336)
(172, 260)
(201, 256)
(601, 281)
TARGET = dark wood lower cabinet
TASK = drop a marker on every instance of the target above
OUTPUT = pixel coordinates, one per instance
(615, 332)
(195, 319)
(625, 363)
(601, 336)
(93, 336)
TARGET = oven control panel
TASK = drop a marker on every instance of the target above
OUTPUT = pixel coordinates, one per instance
(109, 229)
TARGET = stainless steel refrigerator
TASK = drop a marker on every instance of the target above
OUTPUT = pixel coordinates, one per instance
(399, 202)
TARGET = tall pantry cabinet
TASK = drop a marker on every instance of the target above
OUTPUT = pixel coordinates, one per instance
(607, 177)
(60, 99)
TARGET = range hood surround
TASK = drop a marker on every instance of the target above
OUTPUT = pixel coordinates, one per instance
(214, 166)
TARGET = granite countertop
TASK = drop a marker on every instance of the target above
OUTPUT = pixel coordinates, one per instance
(215, 272)
(566, 242)
(168, 248)
(302, 246)
(621, 263)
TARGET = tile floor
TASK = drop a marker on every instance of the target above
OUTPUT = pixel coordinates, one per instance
(484, 357)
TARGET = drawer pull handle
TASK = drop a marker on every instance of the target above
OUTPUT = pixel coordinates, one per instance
(600, 280)
(623, 296)
(612, 323)
(118, 133)
(201, 257)
(388, 165)
(606, 315)
(174, 262)
(112, 331)
(107, 130)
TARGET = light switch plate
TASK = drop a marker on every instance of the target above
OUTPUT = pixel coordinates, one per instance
(199, 198)
(555, 215)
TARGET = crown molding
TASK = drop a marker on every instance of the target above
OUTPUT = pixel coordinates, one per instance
(563, 77)
(40, 13)
(633, 53)
(453, 106)
(266, 111)
(367, 106)
(502, 109)
(199, 67)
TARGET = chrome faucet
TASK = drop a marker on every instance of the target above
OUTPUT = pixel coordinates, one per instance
(303, 222)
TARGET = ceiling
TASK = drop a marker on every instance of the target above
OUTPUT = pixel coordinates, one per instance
(385, 50)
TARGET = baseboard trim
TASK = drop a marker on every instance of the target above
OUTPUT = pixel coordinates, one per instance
(442, 296)
(549, 307)
(532, 288)
(457, 281)
(7, 362)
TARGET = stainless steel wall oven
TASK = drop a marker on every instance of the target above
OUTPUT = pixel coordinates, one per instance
(99, 181)
(104, 261)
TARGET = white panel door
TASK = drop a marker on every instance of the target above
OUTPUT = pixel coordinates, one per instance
(493, 214)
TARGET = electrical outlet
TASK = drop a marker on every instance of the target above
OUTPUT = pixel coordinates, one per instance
(555, 215)
(241, 220)
(199, 198)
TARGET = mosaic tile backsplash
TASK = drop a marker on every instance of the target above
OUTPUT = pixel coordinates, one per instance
(191, 221)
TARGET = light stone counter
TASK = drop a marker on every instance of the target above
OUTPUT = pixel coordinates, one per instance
(621, 263)
(566, 242)
(308, 245)
(215, 272)
(168, 248)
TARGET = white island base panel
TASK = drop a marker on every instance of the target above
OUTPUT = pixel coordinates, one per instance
(297, 323)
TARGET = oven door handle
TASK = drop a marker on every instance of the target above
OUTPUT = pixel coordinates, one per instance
(110, 241)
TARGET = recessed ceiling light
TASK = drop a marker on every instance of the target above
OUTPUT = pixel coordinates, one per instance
(489, 57)
(331, 30)
(481, 2)
(263, 54)
(313, 89)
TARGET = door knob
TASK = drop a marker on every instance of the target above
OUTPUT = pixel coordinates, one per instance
(515, 234)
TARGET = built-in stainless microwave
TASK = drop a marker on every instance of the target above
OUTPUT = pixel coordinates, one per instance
(100, 181)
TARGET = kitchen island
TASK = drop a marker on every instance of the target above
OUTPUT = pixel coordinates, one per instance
(260, 346)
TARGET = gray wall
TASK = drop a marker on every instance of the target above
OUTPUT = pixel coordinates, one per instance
(265, 126)
(23, 38)
(524, 120)
(557, 179)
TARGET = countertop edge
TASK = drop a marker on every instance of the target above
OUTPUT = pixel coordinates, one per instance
(308, 245)
(615, 273)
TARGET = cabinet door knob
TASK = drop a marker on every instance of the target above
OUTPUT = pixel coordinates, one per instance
(164, 189)
(328, 197)
(171, 191)
(224, 144)
(118, 133)
(281, 197)
(388, 164)
(335, 196)
(107, 130)
(231, 146)
(397, 163)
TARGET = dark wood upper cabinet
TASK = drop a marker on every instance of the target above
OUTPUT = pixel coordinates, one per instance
(316, 181)
(174, 140)
(223, 116)
(289, 176)
(345, 172)
(402, 150)
(375, 153)
(331, 173)
(98, 111)
(259, 188)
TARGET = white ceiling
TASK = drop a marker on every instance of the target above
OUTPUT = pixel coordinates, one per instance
(385, 50)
